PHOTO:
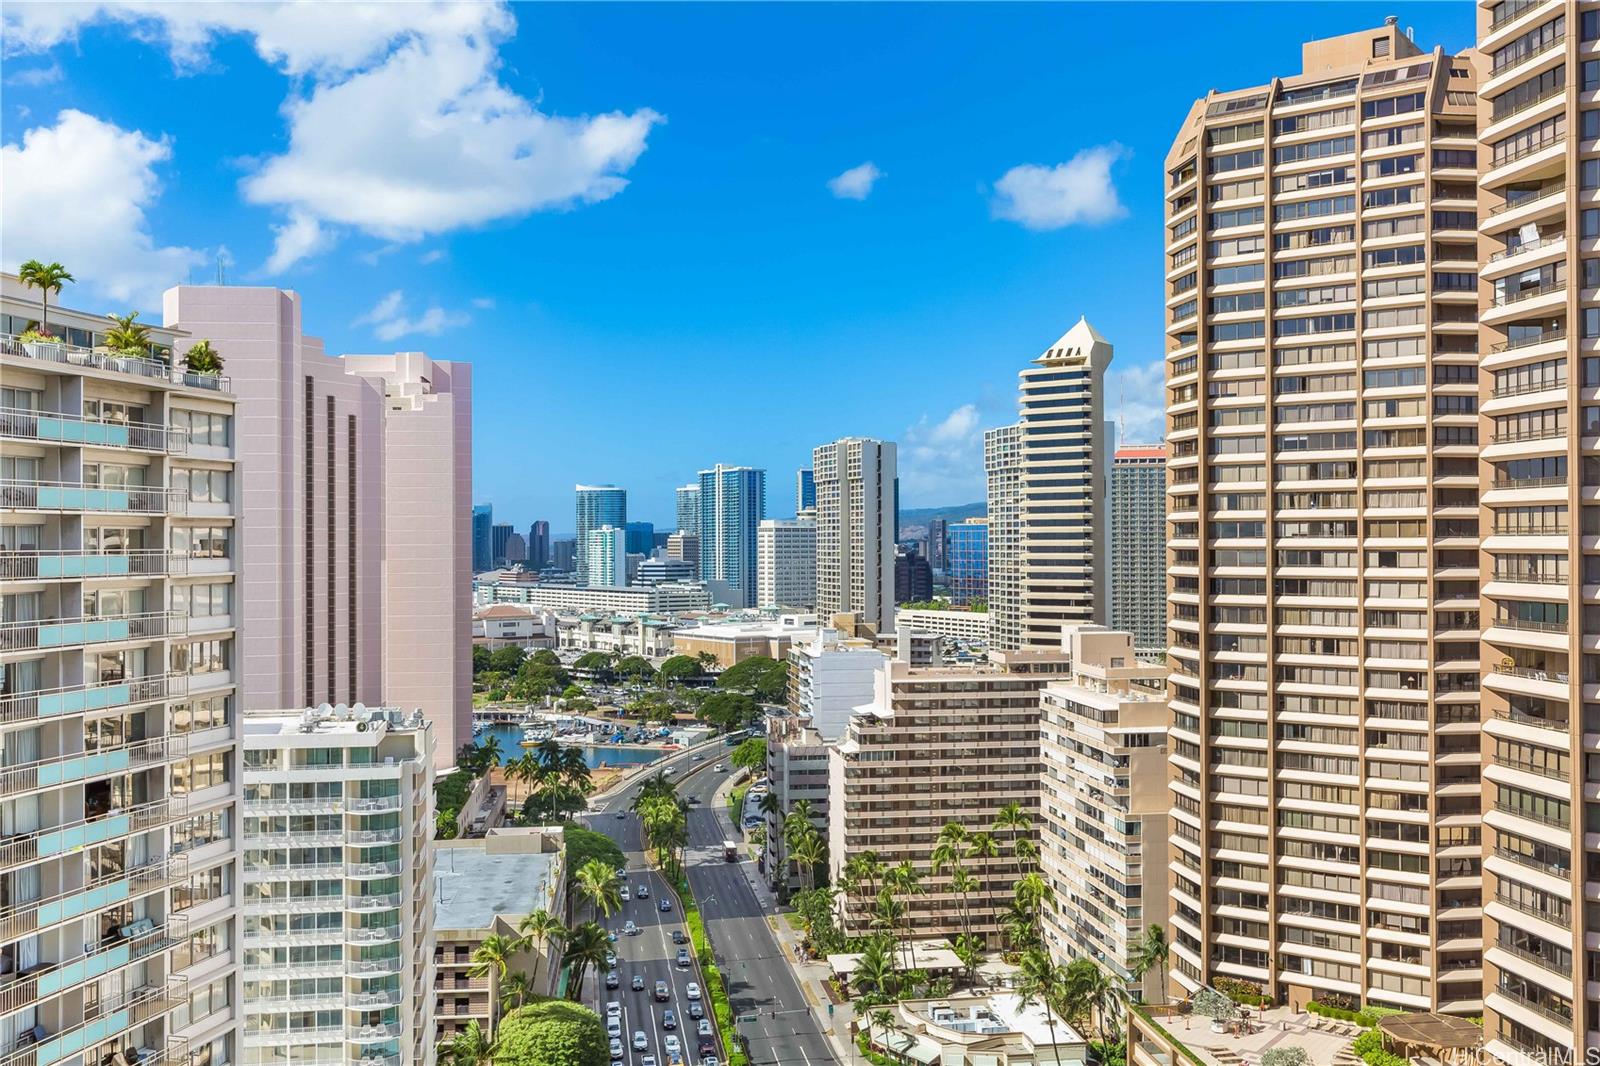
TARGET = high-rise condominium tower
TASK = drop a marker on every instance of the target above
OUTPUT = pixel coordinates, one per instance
(786, 563)
(1002, 463)
(500, 536)
(598, 505)
(607, 557)
(967, 560)
(938, 542)
(539, 545)
(119, 680)
(1139, 543)
(805, 491)
(1323, 534)
(733, 501)
(482, 537)
(855, 480)
(689, 508)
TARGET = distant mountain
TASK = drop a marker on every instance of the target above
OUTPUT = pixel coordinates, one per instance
(919, 517)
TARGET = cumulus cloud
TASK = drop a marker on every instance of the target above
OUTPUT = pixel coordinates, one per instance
(78, 192)
(389, 320)
(855, 183)
(399, 127)
(1045, 198)
(941, 461)
(1138, 397)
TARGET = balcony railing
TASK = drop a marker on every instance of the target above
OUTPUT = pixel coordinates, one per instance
(1542, 819)
(1545, 192)
(85, 765)
(109, 1018)
(55, 634)
(21, 919)
(86, 832)
(97, 960)
(1525, 388)
(1513, 10)
(1508, 62)
(1559, 1011)
(1514, 436)
(1527, 294)
(90, 696)
(25, 424)
(1522, 718)
(1532, 529)
(20, 495)
(1529, 482)
(33, 564)
(71, 355)
(1526, 150)
(1530, 246)
(1529, 625)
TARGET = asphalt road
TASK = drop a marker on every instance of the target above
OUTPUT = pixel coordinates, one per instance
(758, 979)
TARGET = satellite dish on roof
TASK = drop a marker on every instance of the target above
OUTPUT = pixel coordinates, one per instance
(342, 710)
(324, 708)
(358, 709)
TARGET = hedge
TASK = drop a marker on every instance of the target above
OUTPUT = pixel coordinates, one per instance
(720, 1006)
(1363, 1018)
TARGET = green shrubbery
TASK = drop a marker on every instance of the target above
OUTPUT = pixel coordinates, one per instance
(1365, 1018)
(1240, 991)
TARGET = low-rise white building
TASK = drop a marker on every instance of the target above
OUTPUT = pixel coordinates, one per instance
(962, 625)
(993, 1030)
(338, 886)
(666, 598)
(503, 625)
(734, 641)
(640, 634)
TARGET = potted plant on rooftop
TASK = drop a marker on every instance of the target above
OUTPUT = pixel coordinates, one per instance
(129, 338)
(47, 278)
(1209, 1003)
(203, 359)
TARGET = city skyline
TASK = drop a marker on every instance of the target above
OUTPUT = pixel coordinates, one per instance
(580, 299)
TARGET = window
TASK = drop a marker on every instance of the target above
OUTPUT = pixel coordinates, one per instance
(1392, 136)
(208, 430)
(1313, 150)
(1388, 168)
(1393, 105)
(203, 771)
(1332, 205)
(1244, 216)
(1222, 164)
(201, 486)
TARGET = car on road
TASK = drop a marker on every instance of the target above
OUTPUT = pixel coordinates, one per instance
(695, 1010)
(694, 800)
(717, 769)
(620, 815)
(640, 1041)
(616, 1049)
(629, 928)
(672, 1045)
(612, 936)
(669, 1020)
(613, 1009)
(706, 1045)
(622, 874)
(643, 891)
(662, 992)
(626, 895)
(614, 1027)
(648, 1060)
(678, 937)
(611, 960)
(703, 1027)
(692, 991)
(638, 983)
(710, 1060)
(612, 979)
(683, 958)
(664, 905)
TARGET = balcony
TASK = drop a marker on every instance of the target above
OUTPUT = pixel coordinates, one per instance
(368, 837)
(50, 427)
(1526, 388)
(1559, 239)
(1545, 192)
(89, 697)
(12, 347)
(23, 918)
(1529, 625)
(1523, 718)
(1522, 57)
(374, 903)
(31, 564)
(113, 1016)
(366, 870)
(374, 935)
(77, 496)
(137, 941)
(373, 804)
(373, 1034)
(85, 832)
(59, 634)
(1520, 295)
(1517, 436)
(87, 765)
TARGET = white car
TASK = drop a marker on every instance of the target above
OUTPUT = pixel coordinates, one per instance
(704, 1028)
(626, 894)
(614, 1027)
(616, 1049)
(613, 1009)
(693, 991)
(672, 1045)
(640, 1041)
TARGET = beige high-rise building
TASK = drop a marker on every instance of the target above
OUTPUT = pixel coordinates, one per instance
(1323, 517)
(1002, 464)
(855, 486)
(1103, 804)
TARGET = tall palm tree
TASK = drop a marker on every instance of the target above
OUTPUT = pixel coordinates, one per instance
(907, 881)
(489, 753)
(809, 853)
(515, 990)
(1015, 821)
(470, 1047)
(524, 768)
(886, 914)
(1039, 981)
(541, 928)
(596, 881)
(586, 946)
(1103, 994)
(964, 884)
(47, 278)
(129, 336)
(1032, 893)
(574, 770)
(494, 955)
(1152, 952)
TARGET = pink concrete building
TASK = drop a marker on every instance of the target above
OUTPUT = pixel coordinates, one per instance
(356, 474)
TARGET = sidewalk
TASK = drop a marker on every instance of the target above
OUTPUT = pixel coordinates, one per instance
(810, 975)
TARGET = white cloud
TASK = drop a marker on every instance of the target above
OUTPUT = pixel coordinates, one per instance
(483, 303)
(1079, 190)
(855, 183)
(942, 461)
(31, 77)
(78, 193)
(404, 129)
(1137, 395)
(388, 321)
(432, 256)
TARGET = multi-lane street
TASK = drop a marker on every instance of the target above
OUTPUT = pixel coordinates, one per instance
(761, 988)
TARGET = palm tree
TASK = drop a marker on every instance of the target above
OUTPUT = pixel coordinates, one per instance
(128, 336)
(1015, 821)
(963, 884)
(1032, 892)
(470, 1047)
(495, 953)
(596, 881)
(810, 853)
(574, 770)
(47, 278)
(1152, 952)
(1103, 995)
(875, 974)
(886, 914)
(905, 880)
(586, 946)
(524, 768)
(515, 990)
(489, 753)
(540, 928)
(1039, 981)
(202, 358)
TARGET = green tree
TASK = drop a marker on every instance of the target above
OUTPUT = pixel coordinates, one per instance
(876, 978)
(764, 678)
(47, 278)
(584, 845)
(540, 929)
(1013, 820)
(597, 883)
(480, 659)
(129, 336)
(729, 710)
(552, 1033)
(680, 668)
(635, 668)
(750, 755)
(1151, 952)
(515, 990)
(507, 660)
(494, 954)
(470, 1047)
(597, 662)
(586, 947)
(809, 852)
(1039, 980)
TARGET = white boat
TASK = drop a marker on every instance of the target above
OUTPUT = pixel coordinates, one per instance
(532, 736)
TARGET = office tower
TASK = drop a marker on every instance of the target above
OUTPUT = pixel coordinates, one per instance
(598, 505)
(913, 577)
(855, 483)
(1536, 366)
(482, 537)
(689, 508)
(640, 537)
(786, 563)
(516, 549)
(967, 560)
(338, 886)
(499, 537)
(1002, 464)
(685, 546)
(358, 585)
(656, 571)
(1065, 456)
(917, 756)
(1323, 534)
(539, 545)
(119, 523)
(1104, 802)
(805, 491)
(1139, 543)
(733, 501)
(938, 542)
(564, 554)
(607, 557)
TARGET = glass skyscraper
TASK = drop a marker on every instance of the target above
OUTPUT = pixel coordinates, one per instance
(598, 505)
(733, 501)
(482, 537)
(967, 560)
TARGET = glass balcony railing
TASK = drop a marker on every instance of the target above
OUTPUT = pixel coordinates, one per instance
(76, 496)
(87, 765)
(71, 355)
(20, 919)
(129, 945)
(25, 424)
(110, 1018)
(90, 696)
(56, 634)
(33, 564)
(86, 832)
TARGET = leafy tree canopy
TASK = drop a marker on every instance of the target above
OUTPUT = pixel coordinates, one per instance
(750, 755)
(552, 1033)
(680, 668)
(729, 710)
(506, 660)
(763, 677)
(633, 666)
(584, 844)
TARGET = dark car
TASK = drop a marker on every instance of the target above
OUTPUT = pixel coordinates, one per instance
(695, 1010)
(678, 937)
(707, 1045)
(638, 983)
(669, 1020)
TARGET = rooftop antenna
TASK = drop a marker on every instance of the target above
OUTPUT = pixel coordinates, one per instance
(1122, 409)
(222, 269)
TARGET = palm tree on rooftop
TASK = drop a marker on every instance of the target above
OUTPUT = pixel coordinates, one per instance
(47, 278)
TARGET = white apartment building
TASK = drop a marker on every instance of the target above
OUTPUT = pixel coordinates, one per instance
(607, 565)
(855, 481)
(829, 677)
(963, 625)
(338, 886)
(1002, 464)
(118, 698)
(1104, 802)
(669, 597)
(797, 769)
(786, 563)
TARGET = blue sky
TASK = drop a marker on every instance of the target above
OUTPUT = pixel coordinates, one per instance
(623, 217)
